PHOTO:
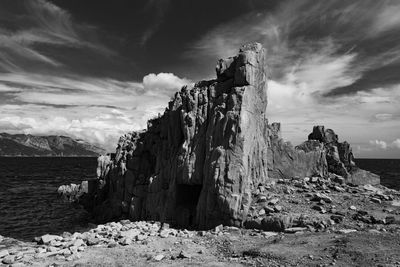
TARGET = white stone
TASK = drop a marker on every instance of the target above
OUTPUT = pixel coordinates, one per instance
(132, 233)
(269, 234)
(295, 229)
(46, 239)
(159, 257)
(3, 253)
(347, 231)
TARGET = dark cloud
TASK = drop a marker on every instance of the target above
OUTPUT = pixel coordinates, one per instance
(77, 66)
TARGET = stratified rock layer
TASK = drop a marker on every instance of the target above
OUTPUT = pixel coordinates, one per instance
(197, 164)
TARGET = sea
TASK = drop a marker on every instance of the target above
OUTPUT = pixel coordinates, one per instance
(30, 206)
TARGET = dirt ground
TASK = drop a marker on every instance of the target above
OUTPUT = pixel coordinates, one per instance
(321, 223)
(249, 249)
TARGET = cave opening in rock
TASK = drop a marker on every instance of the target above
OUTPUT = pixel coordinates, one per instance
(187, 197)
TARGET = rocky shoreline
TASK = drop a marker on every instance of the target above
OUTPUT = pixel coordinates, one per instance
(213, 164)
(307, 207)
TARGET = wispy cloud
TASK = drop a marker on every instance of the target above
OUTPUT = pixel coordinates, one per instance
(43, 24)
(333, 63)
(57, 100)
(159, 8)
(97, 110)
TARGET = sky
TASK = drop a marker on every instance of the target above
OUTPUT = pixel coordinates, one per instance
(96, 69)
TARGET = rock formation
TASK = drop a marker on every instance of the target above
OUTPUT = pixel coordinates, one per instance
(286, 161)
(199, 164)
(339, 157)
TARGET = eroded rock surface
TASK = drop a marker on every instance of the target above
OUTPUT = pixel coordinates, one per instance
(200, 163)
(197, 164)
(340, 158)
(286, 161)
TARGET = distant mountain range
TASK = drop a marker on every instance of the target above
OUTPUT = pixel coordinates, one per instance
(26, 145)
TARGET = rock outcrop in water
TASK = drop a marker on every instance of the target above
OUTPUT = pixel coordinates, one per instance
(201, 163)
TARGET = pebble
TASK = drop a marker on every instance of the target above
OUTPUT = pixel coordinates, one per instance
(126, 241)
(262, 199)
(184, 255)
(159, 257)
(141, 237)
(3, 253)
(112, 244)
(218, 228)
(269, 209)
(46, 239)
(267, 234)
(376, 200)
(396, 203)
(273, 201)
(92, 241)
(353, 208)
(278, 208)
(9, 259)
(347, 231)
(293, 230)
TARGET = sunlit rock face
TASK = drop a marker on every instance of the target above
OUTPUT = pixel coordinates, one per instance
(340, 158)
(286, 161)
(197, 164)
(200, 163)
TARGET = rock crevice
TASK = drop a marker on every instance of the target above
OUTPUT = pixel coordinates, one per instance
(199, 164)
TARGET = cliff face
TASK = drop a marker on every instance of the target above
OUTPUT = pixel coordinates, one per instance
(340, 158)
(197, 164)
(286, 161)
(201, 162)
(31, 145)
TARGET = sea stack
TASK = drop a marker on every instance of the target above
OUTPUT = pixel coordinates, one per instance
(197, 164)
(200, 163)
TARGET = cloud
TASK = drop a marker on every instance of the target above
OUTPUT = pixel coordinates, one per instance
(163, 83)
(332, 63)
(299, 33)
(93, 109)
(385, 145)
(388, 18)
(159, 9)
(42, 23)
(379, 143)
(396, 143)
(383, 116)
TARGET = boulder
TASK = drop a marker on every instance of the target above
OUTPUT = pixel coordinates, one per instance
(286, 161)
(276, 223)
(46, 239)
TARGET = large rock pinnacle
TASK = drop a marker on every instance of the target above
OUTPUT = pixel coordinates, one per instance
(199, 163)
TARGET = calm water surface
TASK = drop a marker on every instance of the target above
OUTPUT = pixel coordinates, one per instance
(29, 205)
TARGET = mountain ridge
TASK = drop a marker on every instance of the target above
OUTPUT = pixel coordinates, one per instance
(28, 145)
